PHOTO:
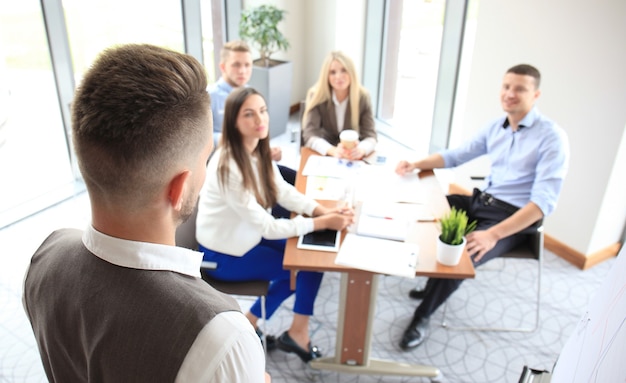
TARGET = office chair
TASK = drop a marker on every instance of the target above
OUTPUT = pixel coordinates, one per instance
(532, 248)
(186, 237)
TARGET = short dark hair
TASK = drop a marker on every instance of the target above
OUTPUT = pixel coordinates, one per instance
(140, 113)
(527, 70)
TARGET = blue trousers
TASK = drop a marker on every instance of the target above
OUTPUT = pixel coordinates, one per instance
(265, 262)
(438, 290)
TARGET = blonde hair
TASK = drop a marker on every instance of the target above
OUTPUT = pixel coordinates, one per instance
(322, 92)
(233, 46)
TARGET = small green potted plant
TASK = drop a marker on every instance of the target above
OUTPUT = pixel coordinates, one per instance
(259, 27)
(454, 227)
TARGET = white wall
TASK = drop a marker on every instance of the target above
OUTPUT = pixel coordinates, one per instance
(579, 48)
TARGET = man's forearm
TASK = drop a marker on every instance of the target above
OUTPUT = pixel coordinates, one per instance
(521, 219)
(434, 161)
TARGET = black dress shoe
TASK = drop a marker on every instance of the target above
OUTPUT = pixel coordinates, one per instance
(285, 343)
(417, 294)
(270, 339)
(415, 334)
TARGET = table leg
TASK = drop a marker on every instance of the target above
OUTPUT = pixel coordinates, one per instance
(354, 331)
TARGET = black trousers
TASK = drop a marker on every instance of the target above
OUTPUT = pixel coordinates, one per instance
(289, 175)
(487, 211)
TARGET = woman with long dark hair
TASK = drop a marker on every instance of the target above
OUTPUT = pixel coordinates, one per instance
(236, 230)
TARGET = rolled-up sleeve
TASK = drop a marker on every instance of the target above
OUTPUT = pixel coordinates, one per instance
(551, 170)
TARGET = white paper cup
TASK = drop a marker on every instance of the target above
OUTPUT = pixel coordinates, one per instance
(349, 138)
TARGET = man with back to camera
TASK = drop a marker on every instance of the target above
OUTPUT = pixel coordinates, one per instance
(236, 69)
(120, 302)
(529, 156)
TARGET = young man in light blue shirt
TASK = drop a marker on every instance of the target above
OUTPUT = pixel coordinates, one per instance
(529, 156)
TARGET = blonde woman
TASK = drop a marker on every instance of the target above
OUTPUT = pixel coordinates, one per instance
(335, 103)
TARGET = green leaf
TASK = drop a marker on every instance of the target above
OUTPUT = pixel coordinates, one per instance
(454, 226)
(259, 27)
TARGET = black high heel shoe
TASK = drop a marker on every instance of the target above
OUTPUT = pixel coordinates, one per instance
(271, 340)
(285, 343)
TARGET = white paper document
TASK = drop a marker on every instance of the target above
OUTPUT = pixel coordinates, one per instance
(330, 167)
(327, 188)
(390, 220)
(381, 183)
(378, 255)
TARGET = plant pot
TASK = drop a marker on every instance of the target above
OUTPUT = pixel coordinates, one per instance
(274, 83)
(449, 255)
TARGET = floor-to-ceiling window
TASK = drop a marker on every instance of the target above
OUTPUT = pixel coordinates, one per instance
(35, 164)
(97, 24)
(418, 35)
(45, 47)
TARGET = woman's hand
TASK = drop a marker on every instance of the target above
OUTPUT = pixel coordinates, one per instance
(356, 153)
(333, 221)
(337, 218)
(321, 210)
(340, 151)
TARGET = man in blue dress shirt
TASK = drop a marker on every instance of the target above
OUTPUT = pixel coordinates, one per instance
(529, 156)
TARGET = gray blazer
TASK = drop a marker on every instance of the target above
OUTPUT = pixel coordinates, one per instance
(322, 121)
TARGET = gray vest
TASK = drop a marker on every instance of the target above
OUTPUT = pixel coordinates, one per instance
(98, 322)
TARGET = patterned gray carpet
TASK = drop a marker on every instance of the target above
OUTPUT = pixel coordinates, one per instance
(503, 294)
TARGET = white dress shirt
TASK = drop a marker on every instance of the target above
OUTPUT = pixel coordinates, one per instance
(231, 221)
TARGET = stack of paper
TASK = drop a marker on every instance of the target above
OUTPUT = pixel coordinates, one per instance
(378, 255)
(388, 220)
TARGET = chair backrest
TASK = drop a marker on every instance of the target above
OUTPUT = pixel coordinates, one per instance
(186, 232)
(186, 237)
(301, 119)
(532, 247)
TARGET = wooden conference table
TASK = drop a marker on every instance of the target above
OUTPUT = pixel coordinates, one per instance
(359, 288)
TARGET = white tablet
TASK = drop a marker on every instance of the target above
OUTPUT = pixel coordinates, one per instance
(323, 240)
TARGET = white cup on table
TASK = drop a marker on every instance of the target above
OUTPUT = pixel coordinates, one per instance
(349, 138)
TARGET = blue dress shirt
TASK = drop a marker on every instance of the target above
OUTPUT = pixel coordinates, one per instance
(528, 165)
(219, 92)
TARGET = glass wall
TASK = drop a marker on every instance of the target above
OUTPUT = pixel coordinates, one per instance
(208, 31)
(414, 33)
(34, 159)
(35, 154)
(97, 24)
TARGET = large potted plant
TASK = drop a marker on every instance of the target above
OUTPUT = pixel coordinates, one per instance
(454, 228)
(259, 27)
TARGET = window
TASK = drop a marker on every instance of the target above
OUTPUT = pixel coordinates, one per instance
(35, 151)
(34, 157)
(423, 45)
(98, 24)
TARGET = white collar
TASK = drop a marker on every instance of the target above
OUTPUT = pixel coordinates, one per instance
(337, 102)
(142, 255)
